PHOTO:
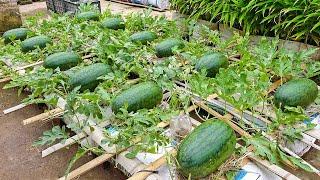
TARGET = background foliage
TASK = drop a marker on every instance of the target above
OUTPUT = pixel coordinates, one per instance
(295, 20)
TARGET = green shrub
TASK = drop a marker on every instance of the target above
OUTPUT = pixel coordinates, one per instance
(295, 20)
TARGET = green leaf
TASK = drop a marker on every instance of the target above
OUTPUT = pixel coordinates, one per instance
(300, 163)
(80, 152)
(262, 148)
(51, 136)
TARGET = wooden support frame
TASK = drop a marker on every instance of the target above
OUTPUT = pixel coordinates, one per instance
(141, 175)
(227, 118)
(81, 170)
(212, 112)
(88, 166)
(244, 133)
(22, 68)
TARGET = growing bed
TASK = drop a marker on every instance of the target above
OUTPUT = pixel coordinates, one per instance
(241, 94)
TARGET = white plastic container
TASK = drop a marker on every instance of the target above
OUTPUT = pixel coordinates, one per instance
(161, 4)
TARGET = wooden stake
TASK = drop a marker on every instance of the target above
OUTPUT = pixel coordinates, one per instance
(86, 167)
(315, 133)
(224, 118)
(52, 113)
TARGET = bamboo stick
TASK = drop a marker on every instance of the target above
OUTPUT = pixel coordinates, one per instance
(77, 172)
(315, 133)
(86, 167)
(83, 169)
(69, 141)
(308, 142)
(141, 175)
(220, 103)
(224, 118)
(237, 113)
(268, 137)
(285, 149)
(6, 79)
(43, 116)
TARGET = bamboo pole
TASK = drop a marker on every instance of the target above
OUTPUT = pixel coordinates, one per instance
(69, 141)
(43, 116)
(87, 166)
(6, 79)
(143, 174)
(276, 84)
(91, 164)
(223, 118)
(237, 113)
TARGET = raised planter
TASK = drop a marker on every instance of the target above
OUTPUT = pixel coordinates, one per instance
(227, 32)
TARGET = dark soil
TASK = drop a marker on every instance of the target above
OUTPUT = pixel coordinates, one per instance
(316, 79)
(19, 160)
